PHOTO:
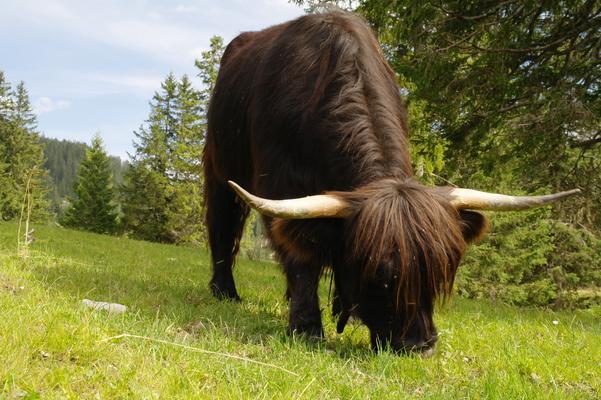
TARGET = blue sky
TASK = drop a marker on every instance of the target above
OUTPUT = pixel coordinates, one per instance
(92, 66)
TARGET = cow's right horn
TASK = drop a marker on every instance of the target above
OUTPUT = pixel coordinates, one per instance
(477, 200)
(318, 206)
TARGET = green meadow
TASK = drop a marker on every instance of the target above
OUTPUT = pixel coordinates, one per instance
(177, 341)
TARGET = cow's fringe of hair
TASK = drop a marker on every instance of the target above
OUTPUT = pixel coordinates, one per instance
(421, 227)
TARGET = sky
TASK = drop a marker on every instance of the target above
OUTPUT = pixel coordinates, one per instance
(93, 66)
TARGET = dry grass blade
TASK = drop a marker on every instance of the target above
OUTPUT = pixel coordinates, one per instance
(197, 350)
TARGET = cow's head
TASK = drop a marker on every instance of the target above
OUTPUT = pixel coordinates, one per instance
(401, 248)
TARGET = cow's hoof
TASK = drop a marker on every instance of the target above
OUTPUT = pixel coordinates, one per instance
(306, 331)
(224, 293)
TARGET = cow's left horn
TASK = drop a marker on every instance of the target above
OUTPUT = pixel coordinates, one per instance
(476, 200)
(318, 206)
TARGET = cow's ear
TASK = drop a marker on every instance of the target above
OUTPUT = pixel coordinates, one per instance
(474, 225)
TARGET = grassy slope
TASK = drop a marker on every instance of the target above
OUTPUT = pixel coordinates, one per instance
(52, 347)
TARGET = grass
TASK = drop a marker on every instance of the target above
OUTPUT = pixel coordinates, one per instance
(182, 343)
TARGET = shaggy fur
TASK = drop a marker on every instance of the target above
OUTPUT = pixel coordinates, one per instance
(308, 107)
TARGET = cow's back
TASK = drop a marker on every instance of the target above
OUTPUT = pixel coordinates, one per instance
(305, 107)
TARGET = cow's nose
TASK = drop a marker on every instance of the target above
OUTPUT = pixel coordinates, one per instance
(424, 346)
(414, 345)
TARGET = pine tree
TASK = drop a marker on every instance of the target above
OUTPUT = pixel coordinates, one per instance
(186, 213)
(62, 159)
(23, 114)
(21, 154)
(162, 194)
(94, 208)
(147, 192)
(5, 98)
(155, 140)
(28, 166)
(208, 67)
(8, 188)
(145, 200)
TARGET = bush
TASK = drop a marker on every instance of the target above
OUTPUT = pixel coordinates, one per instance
(530, 259)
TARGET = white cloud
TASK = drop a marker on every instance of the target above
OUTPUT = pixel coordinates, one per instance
(184, 9)
(134, 26)
(46, 104)
(120, 82)
(196, 53)
(165, 40)
(158, 29)
(108, 57)
(97, 83)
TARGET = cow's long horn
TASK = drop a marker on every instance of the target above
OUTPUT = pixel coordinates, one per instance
(476, 200)
(318, 206)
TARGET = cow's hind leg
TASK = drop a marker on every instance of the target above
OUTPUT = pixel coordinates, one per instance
(225, 221)
(303, 282)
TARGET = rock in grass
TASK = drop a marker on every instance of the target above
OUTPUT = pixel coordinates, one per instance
(101, 305)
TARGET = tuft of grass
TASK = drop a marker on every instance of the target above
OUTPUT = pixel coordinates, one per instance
(177, 341)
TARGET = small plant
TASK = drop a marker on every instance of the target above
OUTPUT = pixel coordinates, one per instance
(26, 207)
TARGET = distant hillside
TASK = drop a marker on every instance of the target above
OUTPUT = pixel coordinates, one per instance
(62, 160)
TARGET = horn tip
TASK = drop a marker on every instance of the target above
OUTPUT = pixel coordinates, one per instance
(235, 186)
(238, 189)
(572, 192)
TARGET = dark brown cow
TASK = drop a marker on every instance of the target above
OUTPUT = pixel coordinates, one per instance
(311, 108)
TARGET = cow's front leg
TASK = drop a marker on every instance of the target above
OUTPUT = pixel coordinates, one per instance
(305, 315)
